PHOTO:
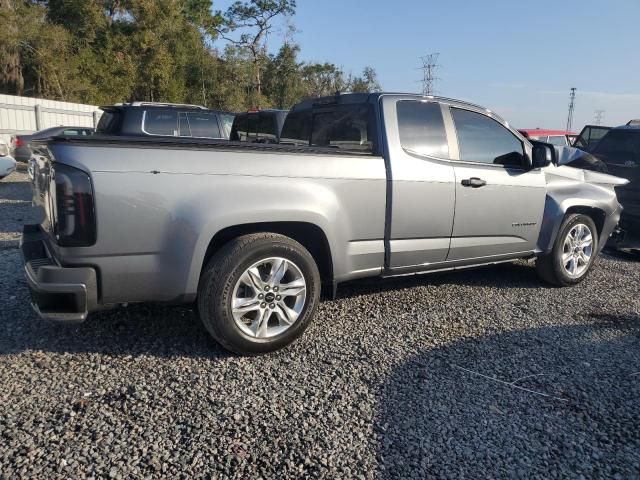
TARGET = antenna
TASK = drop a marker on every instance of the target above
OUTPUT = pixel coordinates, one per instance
(598, 115)
(429, 67)
(572, 105)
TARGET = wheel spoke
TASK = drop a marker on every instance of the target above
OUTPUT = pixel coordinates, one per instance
(278, 269)
(566, 256)
(286, 314)
(252, 278)
(244, 305)
(260, 324)
(293, 289)
(587, 240)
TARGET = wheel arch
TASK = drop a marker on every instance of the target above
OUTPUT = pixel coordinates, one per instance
(309, 235)
(555, 213)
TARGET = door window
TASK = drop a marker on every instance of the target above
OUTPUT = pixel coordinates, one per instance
(422, 128)
(160, 122)
(204, 125)
(483, 140)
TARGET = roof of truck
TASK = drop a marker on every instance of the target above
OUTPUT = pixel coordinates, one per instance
(355, 98)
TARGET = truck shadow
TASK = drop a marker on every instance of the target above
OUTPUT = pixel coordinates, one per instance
(461, 411)
(506, 275)
(175, 331)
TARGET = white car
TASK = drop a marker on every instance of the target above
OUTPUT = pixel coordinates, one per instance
(7, 163)
(7, 166)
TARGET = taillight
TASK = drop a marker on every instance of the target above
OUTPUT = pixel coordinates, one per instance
(19, 142)
(74, 220)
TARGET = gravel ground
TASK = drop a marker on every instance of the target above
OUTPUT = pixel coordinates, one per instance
(483, 374)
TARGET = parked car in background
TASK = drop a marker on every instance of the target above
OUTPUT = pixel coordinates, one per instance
(164, 120)
(7, 163)
(365, 185)
(635, 121)
(619, 149)
(258, 126)
(589, 137)
(554, 137)
(21, 144)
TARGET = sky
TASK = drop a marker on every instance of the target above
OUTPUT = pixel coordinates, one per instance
(517, 58)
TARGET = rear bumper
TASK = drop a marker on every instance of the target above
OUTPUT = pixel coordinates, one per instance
(58, 293)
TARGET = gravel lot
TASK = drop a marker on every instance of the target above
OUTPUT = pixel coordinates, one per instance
(483, 374)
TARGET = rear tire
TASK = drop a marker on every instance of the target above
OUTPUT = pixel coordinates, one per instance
(573, 253)
(258, 293)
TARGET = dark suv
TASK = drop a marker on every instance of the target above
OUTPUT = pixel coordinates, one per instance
(619, 149)
(165, 120)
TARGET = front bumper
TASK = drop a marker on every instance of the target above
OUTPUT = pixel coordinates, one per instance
(61, 294)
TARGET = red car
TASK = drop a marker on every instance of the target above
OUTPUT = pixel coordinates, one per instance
(554, 137)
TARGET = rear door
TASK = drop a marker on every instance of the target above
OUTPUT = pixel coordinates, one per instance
(499, 199)
(422, 192)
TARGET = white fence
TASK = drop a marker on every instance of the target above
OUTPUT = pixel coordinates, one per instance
(27, 115)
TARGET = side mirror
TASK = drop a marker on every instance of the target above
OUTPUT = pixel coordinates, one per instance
(543, 154)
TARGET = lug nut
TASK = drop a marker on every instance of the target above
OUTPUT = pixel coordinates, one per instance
(261, 296)
(266, 289)
(263, 305)
(278, 297)
(273, 305)
(275, 289)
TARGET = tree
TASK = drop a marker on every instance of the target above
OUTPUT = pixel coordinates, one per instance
(367, 83)
(322, 79)
(254, 19)
(282, 78)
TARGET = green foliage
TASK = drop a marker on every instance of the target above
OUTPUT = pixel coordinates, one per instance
(106, 51)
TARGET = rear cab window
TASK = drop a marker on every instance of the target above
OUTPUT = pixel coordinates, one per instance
(348, 127)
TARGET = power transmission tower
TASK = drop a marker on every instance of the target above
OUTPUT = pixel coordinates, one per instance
(598, 115)
(572, 105)
(429, 67)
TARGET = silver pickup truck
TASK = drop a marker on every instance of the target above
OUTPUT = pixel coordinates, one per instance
(360, 185)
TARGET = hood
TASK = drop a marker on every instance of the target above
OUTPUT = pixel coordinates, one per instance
(580, 165)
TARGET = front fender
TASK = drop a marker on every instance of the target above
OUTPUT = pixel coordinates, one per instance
(569, 195)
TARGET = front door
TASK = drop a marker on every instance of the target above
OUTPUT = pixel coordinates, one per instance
(499, 198)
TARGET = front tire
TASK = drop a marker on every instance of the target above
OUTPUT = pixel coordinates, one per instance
(573, 253)
(258, 293)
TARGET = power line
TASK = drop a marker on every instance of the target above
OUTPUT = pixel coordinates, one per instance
(598, 115)
(572, 105)
(429, 67)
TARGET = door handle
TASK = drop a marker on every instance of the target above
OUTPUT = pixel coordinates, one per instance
(474, 182)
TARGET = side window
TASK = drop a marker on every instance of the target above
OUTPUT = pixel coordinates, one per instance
(346, 128)
(483, 140)
(252, 125)
(296, 128)
(70, 132)
(160, 122)
(204, 125)
(227, 122)
(239, 129)
(422, 128)
(183, 125)
(267, 128)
